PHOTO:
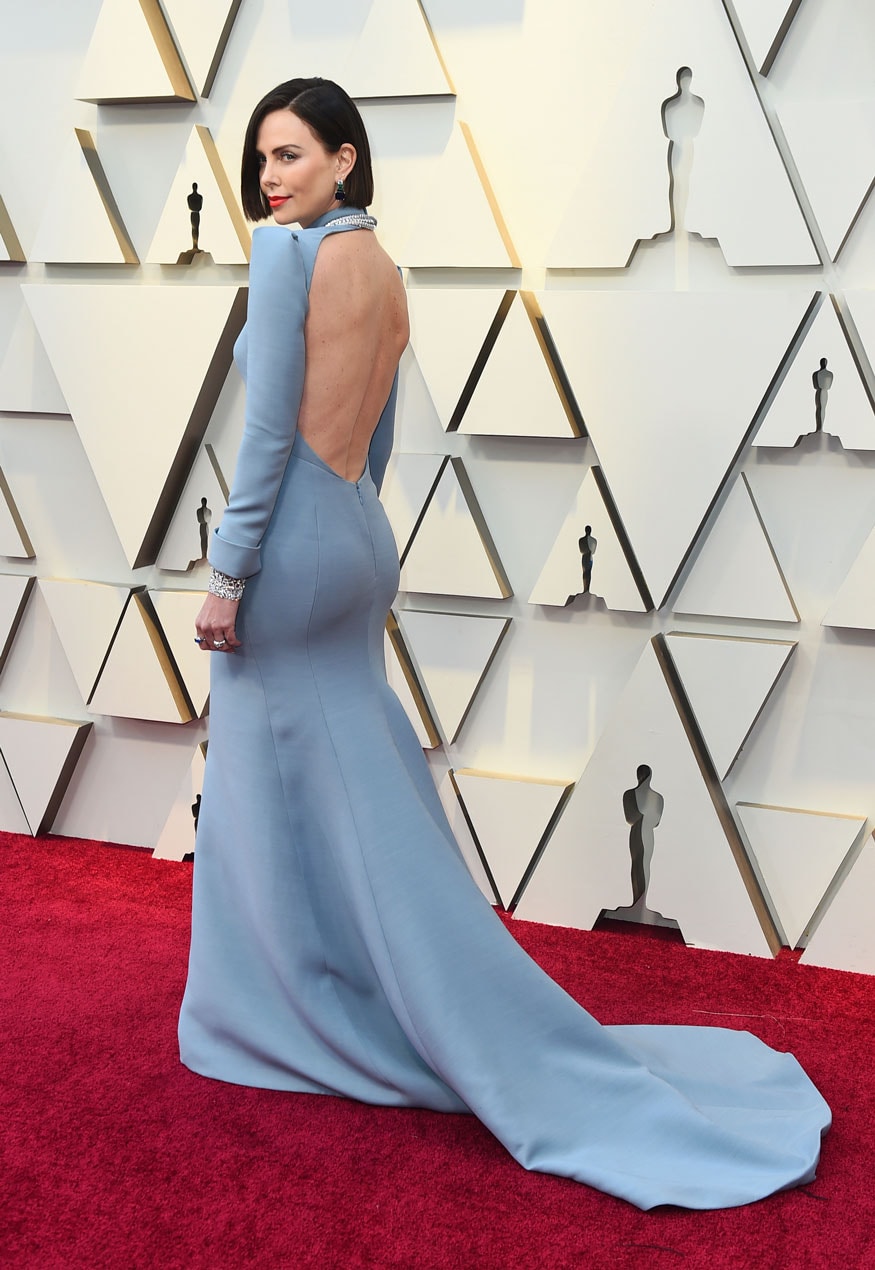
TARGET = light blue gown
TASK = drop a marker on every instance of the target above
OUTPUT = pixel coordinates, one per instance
(339, 944)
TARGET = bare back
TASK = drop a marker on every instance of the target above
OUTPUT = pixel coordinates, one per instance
(355, 333)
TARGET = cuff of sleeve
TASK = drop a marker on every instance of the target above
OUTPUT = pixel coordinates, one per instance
(230, 558)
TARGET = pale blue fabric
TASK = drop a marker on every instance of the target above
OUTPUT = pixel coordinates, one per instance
(339, 944)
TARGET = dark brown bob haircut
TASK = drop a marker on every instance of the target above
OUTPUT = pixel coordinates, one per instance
(333, 117)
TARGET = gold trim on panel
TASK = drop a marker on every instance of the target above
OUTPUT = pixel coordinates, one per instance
(482, 528)
(12, 631)
(10, 239)
(554, 365)
(165, 658)
(480, 361)
(396, 638)
(221, 45)
(438, 54)
(6, 495)
(166, 46)
(229, 198)
(110, 206)
(756, 893)
(490, 197)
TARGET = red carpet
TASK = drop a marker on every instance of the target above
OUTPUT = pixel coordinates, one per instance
(113, 1155)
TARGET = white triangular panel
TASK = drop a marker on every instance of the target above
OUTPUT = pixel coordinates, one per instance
(447, 331)
(203, 499)
(176, 612)
(138, 680)
(845, 937)
(85, 616)
(201, 29)
(452, 552)
(126, 62)
(471, 239)
(223, 233)
(403, 682)
(836, 190)
(799, 854)
(586, 865)
(739, 190)
(40, 754)
(177, 836)
(394, 55)
(846, 411)
(516, 394)
(14, 539)
(854, 606)
(104, 342)
(410, 479)
(15, 591)
(453, 653)
(862, 307)
(562, 574)
(510, 815)
(761, 22)
(27, 381)
(12, 817)
(79, 225)
(736, 573)
(668, 385)
(728, 681)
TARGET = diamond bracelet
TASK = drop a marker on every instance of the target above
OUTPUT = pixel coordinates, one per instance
(224, 586)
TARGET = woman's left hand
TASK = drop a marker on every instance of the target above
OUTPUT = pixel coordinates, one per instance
(215, 625)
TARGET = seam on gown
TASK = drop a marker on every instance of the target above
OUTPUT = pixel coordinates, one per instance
(352, 814)
(329, 976)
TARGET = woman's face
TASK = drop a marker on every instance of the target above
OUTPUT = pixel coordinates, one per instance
(298, 175)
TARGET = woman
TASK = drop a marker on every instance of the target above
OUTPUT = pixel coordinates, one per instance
(339, 944)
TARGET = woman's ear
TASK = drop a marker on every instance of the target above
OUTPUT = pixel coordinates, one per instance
(345, 158)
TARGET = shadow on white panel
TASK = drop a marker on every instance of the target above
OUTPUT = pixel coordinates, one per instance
(15, 592)
(82, 223)
(451, 332)
(822, 392)
(201, 220)
(521, 390)
(40, 755)
(510, 817)
(854, 605)
(688, 123)
(845, 937)
(670, 386)
(736, 573)
(27, 381)
(139, 679)
(643, 828)
(588, 561)
(132, 57)
(203, 499)
(409, 484)
(201, 30)
(728, 682)
(799, 854)
(453, 653)
(764, 24)
(395, 54)
(104, 342)
(86, 616)
(452, 552)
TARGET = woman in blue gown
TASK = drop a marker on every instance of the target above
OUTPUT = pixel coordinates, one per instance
(339, 945)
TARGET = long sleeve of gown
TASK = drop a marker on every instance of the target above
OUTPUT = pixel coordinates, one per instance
(274, 372)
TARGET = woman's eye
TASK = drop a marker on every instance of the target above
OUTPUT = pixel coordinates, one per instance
(287, 154)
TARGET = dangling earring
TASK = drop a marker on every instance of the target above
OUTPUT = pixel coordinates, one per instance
(339, 191)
